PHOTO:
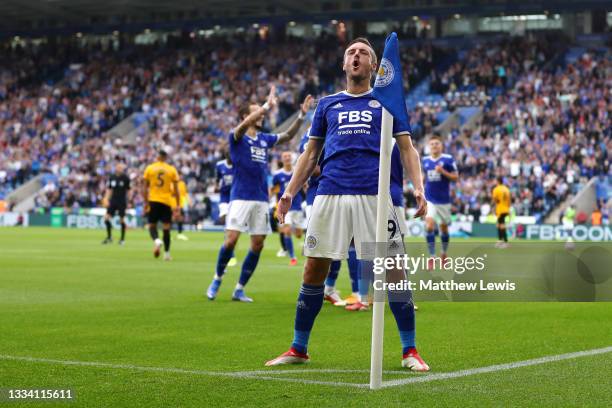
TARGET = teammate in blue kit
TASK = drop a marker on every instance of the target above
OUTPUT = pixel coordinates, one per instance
(348, 125)
(440, 169)
(248, 210)
(225, 176)
(294, 220)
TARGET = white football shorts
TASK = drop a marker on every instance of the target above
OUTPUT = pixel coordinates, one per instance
(400, 213)
(223, 209)
(336, 219)
(248, 216)
(295, 218)
(308, 213)
(441, 213)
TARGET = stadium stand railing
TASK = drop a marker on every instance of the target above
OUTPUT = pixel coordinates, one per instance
(22, 198)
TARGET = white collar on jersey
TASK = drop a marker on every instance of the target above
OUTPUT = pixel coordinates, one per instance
(356, 95)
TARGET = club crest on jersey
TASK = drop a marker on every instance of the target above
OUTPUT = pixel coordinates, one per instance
(264, 144)
(386, 73)
(374, 104)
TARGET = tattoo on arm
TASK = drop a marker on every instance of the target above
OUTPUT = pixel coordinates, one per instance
(291, 131)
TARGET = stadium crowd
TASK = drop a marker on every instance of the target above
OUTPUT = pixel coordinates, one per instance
(489, 68)
(185, 94)
(547, 135)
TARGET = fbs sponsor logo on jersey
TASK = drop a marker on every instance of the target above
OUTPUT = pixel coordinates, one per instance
(258, 154)
(386, 73)
(311, 242)
(354, 117)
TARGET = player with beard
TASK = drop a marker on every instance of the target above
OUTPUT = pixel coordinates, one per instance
(348, 126)
(248, 210)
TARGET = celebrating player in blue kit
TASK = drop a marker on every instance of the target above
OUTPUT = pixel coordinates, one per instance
(440, 169)
(294, 220)
(248, 210)
(348, 125)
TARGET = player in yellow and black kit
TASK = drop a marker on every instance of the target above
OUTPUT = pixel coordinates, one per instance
(161, 194)
(502, 201)
(183, 205)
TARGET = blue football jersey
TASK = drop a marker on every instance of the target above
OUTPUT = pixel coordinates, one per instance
(350, 125)
(397, 178)
(281, 179)
(313, 181)
(250, 160)
(437, 187)
(225, 176)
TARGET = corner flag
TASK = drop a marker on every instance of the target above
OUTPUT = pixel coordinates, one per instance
(389, 87)
(389, 91)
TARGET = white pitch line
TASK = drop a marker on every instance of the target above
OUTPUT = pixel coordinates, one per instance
(498, 367)
(253, 375)
(266, 374)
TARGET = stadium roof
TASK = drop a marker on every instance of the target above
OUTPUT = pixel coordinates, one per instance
(29, 17)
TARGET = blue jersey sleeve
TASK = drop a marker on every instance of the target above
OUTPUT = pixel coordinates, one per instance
(304, 141)
(400, 129)
(318, 128)
(271, 138)
(451, 166)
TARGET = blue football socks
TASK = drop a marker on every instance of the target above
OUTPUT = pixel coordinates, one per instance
(309, 303)
(248, 267)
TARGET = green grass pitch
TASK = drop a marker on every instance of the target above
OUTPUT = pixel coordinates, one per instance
(63, 296)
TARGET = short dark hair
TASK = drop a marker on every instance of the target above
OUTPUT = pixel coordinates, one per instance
(365, 41)
(244, 110)
(435, 136)
(500, 179)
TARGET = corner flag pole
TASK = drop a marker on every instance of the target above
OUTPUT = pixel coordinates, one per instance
(382, 210)
(389, 91)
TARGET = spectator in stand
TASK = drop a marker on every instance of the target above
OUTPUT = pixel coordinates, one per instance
(546, 130)
(185, 92)
(596, 217)
(602, 190)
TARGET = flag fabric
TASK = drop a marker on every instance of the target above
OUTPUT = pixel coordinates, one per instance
(389, 87)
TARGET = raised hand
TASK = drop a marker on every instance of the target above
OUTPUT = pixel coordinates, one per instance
(307, 104)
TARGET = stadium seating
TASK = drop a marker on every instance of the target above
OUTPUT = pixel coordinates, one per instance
(185, 95)
(536, 134)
